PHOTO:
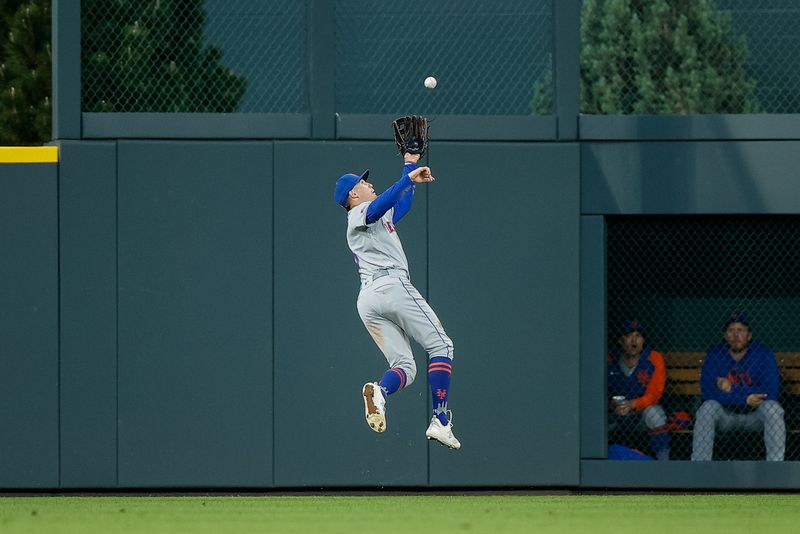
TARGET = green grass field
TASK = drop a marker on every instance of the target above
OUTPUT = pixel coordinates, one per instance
(415, 514)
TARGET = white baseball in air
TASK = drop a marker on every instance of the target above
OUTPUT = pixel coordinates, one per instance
(430, 82)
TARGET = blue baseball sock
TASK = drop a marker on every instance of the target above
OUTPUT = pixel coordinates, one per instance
(392, 380)
(439, 369)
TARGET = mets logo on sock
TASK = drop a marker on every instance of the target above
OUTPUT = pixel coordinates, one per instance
(441, 393)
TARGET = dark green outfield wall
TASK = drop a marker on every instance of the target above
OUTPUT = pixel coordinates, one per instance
(182, 313)
(178, 309)
(29, 294)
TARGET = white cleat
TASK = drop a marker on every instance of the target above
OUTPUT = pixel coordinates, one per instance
(374, 406)
(443, 434)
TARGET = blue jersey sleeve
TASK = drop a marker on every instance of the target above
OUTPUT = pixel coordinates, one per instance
(403, 205)
(398, 196)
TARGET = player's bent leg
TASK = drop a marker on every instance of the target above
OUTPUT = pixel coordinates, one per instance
(396, 348)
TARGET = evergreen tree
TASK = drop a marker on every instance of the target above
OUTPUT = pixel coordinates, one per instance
(542, 102)
(148, 56)
(25, 59)
(661, 57)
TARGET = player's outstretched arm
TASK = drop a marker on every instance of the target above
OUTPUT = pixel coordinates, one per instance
(400, 193)
(391, 196)
(403, 205)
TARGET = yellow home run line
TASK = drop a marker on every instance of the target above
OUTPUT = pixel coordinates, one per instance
(28, 154)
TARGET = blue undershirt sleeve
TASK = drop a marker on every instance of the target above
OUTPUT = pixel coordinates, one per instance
(403, 205)
(404, 187)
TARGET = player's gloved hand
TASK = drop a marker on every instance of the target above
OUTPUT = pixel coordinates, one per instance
(411, 134)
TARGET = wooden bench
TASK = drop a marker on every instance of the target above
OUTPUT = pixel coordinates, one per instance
(683, 381)
(683, 372)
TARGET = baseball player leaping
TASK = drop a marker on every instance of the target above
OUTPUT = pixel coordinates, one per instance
(389, 305)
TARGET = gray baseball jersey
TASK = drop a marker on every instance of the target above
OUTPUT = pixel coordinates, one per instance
(375, 246)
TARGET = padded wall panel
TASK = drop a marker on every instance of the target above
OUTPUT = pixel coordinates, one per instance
(504, 278)
(29, 326)
(323, 353)
(88, 289)
(195, 314)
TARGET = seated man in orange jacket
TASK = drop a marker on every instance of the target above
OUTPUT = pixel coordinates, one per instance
(636, 378)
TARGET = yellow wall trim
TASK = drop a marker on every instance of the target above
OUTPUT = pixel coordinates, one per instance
(28, 154)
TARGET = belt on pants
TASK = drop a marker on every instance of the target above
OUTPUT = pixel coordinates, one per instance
(380, 273)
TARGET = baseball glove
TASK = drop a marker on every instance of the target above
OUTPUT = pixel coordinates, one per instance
(411, 134)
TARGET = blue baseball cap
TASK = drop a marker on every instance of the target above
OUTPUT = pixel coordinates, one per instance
(345, 184)
(632, 325)
(737, 317)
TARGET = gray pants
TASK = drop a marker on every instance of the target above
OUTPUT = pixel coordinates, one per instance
(393, 310)
(712, 416)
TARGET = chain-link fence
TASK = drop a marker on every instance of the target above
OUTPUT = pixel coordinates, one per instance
(769, 28)
(490, 58)
(690, 56)
(194, 56)
(702, 339)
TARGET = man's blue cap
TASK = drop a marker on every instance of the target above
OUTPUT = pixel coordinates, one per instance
(345, 184)
(737, 317)
(632, 325)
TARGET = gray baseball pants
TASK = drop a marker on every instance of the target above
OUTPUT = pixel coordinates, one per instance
(393, 311)
(712, 416)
